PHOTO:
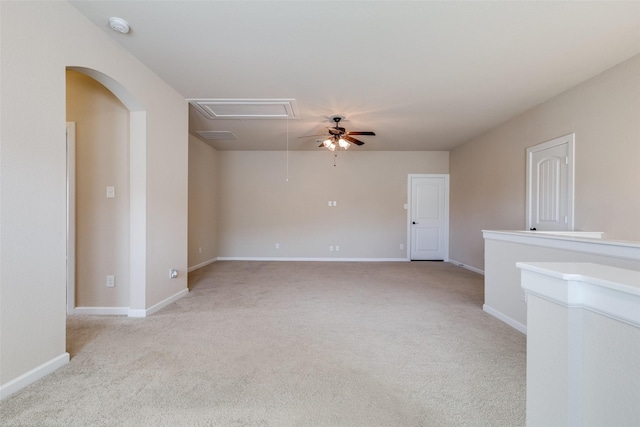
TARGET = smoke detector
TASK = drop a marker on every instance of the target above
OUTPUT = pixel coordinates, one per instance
(119, 25)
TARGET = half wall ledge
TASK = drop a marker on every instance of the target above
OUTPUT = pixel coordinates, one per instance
(503, 295)
(582, 344)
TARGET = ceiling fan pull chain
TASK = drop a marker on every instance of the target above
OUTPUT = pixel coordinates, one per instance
(287, 180)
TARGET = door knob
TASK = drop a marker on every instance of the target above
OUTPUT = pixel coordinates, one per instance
(414, 222)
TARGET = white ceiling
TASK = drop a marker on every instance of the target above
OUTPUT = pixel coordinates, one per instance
(422, 75)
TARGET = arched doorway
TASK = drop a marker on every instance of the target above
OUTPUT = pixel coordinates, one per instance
(110, 196)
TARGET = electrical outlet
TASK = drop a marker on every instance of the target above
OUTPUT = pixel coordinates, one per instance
(329, 203)
(335, 203)
(277, 245)
(330, 248)
(111, 281)
(199, 250)
(173, 273)
(401, 246)
(337, 248)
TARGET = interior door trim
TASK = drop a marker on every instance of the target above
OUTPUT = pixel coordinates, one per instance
(71, 217)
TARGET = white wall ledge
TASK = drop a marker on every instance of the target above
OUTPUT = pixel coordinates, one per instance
(574, 241)
(609, 291)
(505, 248)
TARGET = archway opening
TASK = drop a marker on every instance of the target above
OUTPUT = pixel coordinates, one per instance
(111, 196)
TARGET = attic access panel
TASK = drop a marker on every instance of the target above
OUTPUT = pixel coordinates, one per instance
(246, 108)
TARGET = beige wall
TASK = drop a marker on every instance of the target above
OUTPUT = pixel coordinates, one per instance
(259, 207)
(488, 172)
(39, 40)
(102, 224)
(203, 202)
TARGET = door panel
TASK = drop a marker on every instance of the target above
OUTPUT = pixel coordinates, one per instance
(429, 217)
(428, 239)
(548, 188)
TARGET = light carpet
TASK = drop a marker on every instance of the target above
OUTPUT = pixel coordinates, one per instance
(292, 344)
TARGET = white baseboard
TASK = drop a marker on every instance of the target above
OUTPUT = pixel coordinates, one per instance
(314, 259)
(154, 308)
(137, 312)
(506, 319)
(202, 264)
(33, 375)
(465, 266)
(113, 311)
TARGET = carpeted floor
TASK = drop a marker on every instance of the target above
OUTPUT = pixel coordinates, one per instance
(292, 344)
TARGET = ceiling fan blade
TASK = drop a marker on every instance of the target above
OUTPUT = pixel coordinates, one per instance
(353, 140)
(361, 133)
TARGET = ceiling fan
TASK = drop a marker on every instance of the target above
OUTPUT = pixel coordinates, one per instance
(340, 137)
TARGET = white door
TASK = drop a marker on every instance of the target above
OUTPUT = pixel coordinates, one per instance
(429, 217)
(550, 185)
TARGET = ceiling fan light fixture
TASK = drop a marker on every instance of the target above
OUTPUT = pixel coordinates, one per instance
(339, 137)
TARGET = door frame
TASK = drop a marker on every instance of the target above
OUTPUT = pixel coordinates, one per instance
(570, 140)
(71, 217)
(446, 210)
